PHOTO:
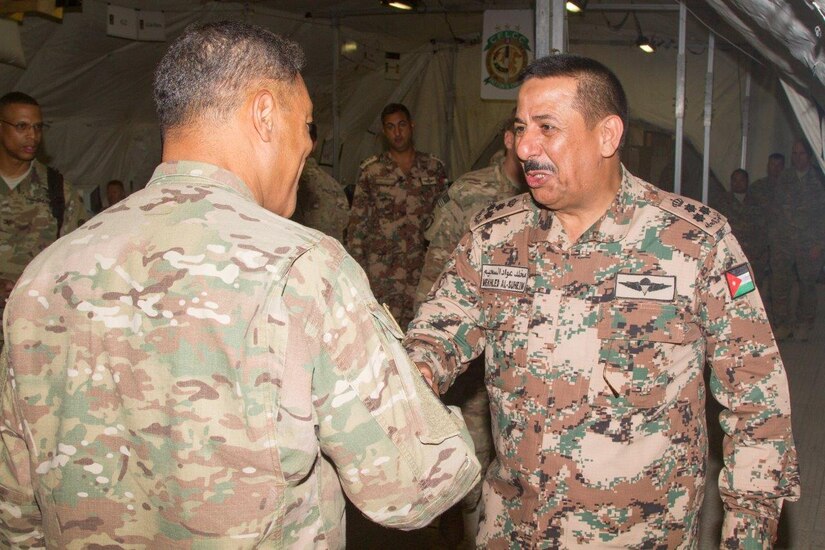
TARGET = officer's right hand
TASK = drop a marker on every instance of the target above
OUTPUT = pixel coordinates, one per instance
(427, 373)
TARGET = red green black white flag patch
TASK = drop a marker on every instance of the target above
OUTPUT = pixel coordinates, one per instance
(740, 280)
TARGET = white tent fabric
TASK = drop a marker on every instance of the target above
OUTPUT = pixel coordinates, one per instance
(96, 91)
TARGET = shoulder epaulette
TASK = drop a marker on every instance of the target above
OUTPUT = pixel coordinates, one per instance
(501, 209)
(702, 216)
(367, 161)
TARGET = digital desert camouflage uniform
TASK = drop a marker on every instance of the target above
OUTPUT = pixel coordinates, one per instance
(27, 224)
(176, 368)
(451, 220)
(595, 351)
(748, 221)
(390, 211)
(797, 232)
(322, 203)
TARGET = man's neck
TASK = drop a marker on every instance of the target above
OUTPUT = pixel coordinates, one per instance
(579, 219)
(404, 159)
(512, 170)
(12, 168)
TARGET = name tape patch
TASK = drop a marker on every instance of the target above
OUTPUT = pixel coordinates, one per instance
(646, 287)
(504, 277)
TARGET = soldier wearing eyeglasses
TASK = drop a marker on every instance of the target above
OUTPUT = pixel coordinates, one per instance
(36, 205)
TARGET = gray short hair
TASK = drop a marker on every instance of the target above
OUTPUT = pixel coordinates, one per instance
(208, 67)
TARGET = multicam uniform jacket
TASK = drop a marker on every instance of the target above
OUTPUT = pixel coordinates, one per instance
(452, 215)
(27, 224)
(390, 211)
(189, 370)
(322, 203)
(595, 351)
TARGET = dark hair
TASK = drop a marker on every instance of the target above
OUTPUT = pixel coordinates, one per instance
(208, 67)
(115, 183)
(509, 123)
(395, 108)
(598, 93)
(17, 98)
(777, 156)
(806, 145)
(740, 171)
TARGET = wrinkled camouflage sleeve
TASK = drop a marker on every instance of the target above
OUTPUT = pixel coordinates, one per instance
(20, 517)
(449, 224)
(447, 332)
(748, 379)
(359, 219)
(401, 456)
(75, 214)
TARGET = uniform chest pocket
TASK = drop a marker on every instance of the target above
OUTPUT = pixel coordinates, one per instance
(644, 348)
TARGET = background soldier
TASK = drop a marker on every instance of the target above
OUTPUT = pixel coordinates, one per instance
(322, 203)
(797, 234)
(451, 220)
(393, 203)
(36, 204)
(747, 219)
(597, 303)
(208, 373)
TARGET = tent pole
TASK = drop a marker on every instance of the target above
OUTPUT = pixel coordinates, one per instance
(708, 117)
(543, 28)
(746, 123)
(680, 101)
(450, 108)
(558, 26)
(336, 118)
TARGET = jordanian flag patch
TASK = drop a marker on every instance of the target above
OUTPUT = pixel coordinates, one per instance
(740, 280)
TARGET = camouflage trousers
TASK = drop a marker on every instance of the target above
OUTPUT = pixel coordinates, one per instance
(789, 263)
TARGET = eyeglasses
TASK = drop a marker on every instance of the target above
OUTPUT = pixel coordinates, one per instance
(24, 127)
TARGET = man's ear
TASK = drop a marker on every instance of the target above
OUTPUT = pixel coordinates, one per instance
(611, 129)
(264, 109)
(509, 139)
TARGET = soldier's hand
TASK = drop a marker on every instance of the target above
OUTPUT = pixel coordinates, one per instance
(427, 373)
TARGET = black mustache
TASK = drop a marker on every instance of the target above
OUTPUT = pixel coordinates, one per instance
(531, 165)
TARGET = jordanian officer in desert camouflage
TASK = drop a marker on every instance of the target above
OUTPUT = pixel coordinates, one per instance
(194, 370)
(451, 219)
(393, 203)
(598, 300)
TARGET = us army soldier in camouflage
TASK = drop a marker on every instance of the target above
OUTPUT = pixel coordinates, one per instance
(28, 221)
(797, 242)
(451, 219)
(597, 300)
(322, 203)
(393, 202)
(194, 370)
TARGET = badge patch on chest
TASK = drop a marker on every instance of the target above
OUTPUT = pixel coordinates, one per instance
(504, 277)
(740, 280)
(646, 287)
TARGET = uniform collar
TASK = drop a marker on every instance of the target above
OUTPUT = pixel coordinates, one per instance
(207, 173)
(614, 224)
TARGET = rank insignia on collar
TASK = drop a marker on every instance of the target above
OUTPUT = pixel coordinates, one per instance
(646, 287)
(740, 280)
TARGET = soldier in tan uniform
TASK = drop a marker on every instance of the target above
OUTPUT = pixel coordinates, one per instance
(451, 220)
(392, 205)
(195, 370)
(322, 203)
(598, 300)
(36, 204)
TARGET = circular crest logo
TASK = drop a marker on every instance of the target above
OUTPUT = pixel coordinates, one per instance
(507, 56)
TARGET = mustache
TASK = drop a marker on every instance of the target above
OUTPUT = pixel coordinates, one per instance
(531, 165)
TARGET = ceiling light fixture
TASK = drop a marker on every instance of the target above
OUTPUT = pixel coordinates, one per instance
(399, 4)
(575, 6)
(644, 43)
